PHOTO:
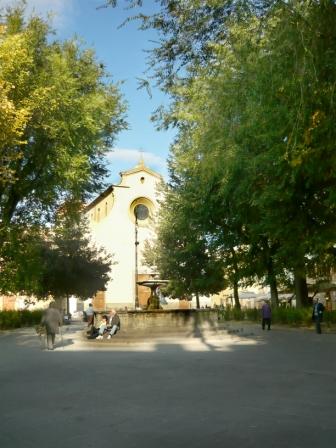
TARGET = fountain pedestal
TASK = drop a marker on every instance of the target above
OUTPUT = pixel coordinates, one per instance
(153, 302)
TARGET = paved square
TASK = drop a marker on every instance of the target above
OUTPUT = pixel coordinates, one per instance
(246, 389)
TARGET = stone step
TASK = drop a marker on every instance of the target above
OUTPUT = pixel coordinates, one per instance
(125, 335)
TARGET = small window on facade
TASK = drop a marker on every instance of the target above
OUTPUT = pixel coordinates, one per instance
(105, 208)
(98, 214)
(142, 179)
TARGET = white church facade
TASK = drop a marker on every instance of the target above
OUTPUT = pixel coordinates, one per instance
(120, 220)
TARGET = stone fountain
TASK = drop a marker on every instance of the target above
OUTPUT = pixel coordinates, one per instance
(154, 300)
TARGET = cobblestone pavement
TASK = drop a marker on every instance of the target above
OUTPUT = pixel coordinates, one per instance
(239, 387)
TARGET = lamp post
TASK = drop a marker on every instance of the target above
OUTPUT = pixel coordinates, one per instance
(136, 304)
(141, 213)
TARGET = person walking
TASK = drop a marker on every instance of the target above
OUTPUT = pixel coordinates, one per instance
(266, 314)
(317, 316)
(114, 323)
(51, 320)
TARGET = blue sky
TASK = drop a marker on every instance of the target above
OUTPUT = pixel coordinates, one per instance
(122, 52)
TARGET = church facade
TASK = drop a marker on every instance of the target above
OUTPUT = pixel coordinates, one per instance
(120, 220)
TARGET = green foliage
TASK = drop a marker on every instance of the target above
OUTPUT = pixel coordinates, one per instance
(71, 265)
(60, 262)
(292, 316)
(187, 31)
(64, 117)
(253, 166)
(231, 313)
(20, 259)
(284, 316)
(59, 115)
(329, 317)
(181, 254)
(252, 314)
(17, 319)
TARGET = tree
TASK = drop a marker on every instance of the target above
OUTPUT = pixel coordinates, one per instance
(60, 117)
(255, 112)
(20, 260)
(58, 262)
(254, 93)
(294, 183)
(59, 114)
(180, 253)
(13, 119)
(71, 265)
(187, 31)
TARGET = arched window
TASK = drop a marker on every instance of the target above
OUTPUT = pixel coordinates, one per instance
(141, 210)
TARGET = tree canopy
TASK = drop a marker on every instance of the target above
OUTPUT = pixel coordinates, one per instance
(59, 117)
(252, 89)
(59, 114)
(59, 262)
(71, 265)
(181, 253)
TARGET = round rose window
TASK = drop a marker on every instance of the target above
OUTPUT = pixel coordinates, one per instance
(141, 212)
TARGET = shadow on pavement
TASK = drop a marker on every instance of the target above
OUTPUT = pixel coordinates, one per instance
(214, 389)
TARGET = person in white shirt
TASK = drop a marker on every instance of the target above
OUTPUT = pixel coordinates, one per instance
(90, 315)
(102, 327)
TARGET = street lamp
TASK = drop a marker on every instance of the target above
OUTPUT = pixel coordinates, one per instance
(141, 213)
(136, 258)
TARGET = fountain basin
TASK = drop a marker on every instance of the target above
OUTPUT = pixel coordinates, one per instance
(153, 301)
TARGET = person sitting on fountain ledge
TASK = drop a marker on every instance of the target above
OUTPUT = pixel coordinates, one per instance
(114, 323)
(102, 327)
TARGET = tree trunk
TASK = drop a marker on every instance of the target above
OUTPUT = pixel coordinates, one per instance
(272, 281)
(301, 289)
(197, 301)
(236, 295)
(9, 207)
(235, 280)
(67, 304)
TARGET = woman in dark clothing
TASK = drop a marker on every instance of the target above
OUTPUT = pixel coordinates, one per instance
(266, 314)
(317, 316)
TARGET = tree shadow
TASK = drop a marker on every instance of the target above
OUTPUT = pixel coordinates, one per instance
(213, 390)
